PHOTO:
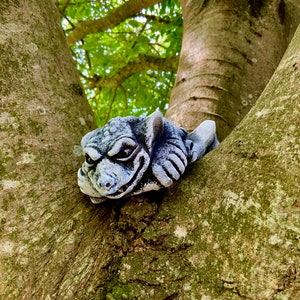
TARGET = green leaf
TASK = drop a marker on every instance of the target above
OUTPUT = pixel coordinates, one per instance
(105, 53)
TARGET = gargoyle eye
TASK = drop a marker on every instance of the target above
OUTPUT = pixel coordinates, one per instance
(122, 149)
(92, 155)
(125, 152)
(89, 160)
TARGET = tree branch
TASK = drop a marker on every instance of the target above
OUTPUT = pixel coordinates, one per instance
(141, 63)
(118, 15)
(155, 18)
(63, 7)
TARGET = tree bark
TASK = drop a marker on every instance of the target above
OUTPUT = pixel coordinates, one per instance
(229, 51)
(228, 230)
(43, 117)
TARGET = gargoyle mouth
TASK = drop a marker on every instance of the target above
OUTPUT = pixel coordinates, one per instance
(131, 184)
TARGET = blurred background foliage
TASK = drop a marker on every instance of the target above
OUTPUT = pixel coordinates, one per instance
(101, 57)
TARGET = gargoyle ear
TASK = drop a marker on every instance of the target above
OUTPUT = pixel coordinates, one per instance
(153, 127)
(202, 140)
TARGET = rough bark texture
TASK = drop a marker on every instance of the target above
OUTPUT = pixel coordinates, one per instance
(43, 116)
(228, 230)
(230, 49)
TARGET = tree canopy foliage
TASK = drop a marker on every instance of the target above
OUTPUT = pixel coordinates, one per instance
(127, 55)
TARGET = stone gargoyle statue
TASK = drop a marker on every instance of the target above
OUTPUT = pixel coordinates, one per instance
(132, 155)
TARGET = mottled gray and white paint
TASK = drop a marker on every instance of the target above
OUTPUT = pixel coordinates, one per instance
(132, 155)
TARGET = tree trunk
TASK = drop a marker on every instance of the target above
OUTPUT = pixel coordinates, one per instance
(43, 117)
(228, 230)
(229, 51)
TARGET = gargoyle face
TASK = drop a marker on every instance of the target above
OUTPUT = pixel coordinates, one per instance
(116, 158)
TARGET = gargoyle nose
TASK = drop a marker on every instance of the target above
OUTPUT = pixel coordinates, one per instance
(106, 182)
